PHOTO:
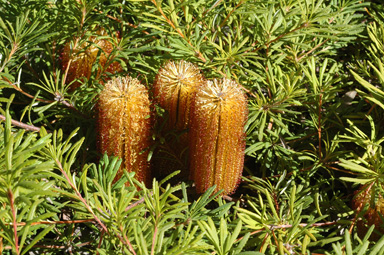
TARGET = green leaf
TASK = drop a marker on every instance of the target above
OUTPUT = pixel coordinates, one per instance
(39, 237)
(356, 167)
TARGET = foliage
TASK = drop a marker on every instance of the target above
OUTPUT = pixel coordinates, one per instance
(358, 246)
(313, 74)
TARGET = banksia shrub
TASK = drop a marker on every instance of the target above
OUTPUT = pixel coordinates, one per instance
(175, 85)
(82, 56)
(217, 138)
(124, 125)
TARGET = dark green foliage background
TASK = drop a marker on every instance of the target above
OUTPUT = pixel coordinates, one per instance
(314, 75)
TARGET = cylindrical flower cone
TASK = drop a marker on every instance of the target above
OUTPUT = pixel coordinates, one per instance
(124, 125)
(217, 137)
(174, 88)
(82, 58)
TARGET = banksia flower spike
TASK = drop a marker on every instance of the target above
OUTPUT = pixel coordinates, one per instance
(124, 125)
(175, 85)
(174, 88)
(83, 56)
(217, 137)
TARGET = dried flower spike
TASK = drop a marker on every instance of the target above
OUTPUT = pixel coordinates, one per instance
(217, 137)
(175, 85)
(82, 58)
(373, 211)
(124, 125)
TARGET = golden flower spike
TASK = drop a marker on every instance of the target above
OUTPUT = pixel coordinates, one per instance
(175, 85)
(124, 125)
(217, 137)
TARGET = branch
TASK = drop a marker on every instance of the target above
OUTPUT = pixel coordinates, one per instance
(25, 93)
(53, 246)
(272, 227)
(312, 50)
(15, 47)
(199, 54)
(127, 242)
(65, 103)
(154, 240)
(53, 222)
(14, 219)
(305, 25)
(319, 130)
(21, 124)
(80, 197)
(120, 21)
(135, 204)
(229, 14)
